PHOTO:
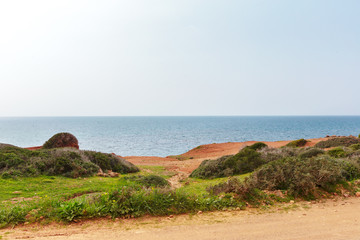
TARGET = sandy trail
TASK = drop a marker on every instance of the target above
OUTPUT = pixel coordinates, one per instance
(329, 220)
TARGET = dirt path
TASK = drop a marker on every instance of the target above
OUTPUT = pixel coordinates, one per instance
(329, 220)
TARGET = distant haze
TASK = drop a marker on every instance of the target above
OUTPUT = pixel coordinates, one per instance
(188, 57)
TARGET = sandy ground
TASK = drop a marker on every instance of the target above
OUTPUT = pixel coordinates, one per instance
(332, 219)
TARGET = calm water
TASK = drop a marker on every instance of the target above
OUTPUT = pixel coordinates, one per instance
(162, 136)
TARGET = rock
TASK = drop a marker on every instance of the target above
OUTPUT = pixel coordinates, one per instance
(61, 140)
(279, 193)
(17, 192)
(199, 212)
(346, 195)
(292, 201)
(357, 194)
(112, 174)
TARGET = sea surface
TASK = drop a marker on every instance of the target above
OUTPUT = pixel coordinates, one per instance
(163, 136)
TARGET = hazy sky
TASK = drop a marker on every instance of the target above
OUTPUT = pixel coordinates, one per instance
(184, 57)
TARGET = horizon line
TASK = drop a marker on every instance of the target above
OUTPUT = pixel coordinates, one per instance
(279, 115)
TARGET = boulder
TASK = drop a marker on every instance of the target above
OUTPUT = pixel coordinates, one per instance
(62, 140)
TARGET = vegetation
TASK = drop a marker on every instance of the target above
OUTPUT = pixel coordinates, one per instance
(257, 146)
(68, 162)
(297, 143)
(337, 142)
(61, 140)
(150, 181)
(311, 152)
(337, 152)
(247, 160)
(259, 176)
(66, 199)
(298, 172)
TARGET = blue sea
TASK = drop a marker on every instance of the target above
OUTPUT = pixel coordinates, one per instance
(163, 136)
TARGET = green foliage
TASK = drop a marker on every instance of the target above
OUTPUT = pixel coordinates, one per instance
(297, 143)
(69, 211)
(311, 152)
(257, 146)
(298, 176)
(350, 169)
(247, 160)
(355, 147)
(111, 162)
(337, 142)
(61, 140)
(68, 162)
(14, 215)
(243, 162)
(150, 181)
(337, 152)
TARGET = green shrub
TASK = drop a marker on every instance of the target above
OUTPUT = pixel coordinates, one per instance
(61, 140)
(212, 169)
(350, 169)
(243, 162)
(257, 146)
(69, 211)
(297, 176)
(337, 142)
(311, 152)
(272, 154)
(111, 162)
(355, 147)
(297, 143)
(337, 152)
(68, 162)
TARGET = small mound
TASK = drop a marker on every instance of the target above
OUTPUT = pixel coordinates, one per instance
(297, 143)
(257, 146)
(337, 142)
(62, 140)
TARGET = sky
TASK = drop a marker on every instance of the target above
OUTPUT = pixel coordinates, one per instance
(175, 58)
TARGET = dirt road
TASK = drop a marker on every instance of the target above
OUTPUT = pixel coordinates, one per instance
(330, 220)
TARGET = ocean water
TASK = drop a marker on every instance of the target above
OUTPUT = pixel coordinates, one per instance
(163, 136)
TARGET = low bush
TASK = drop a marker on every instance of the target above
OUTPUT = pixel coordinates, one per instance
(297, 176)
(355, 147)
(337, 152)
(243, 162)
(297, 143)
(212, 169)
(257, 146)
(311, 152)
(350, 168)
(247, 160)
(337, 142)
(68, 162)
(111, 162)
